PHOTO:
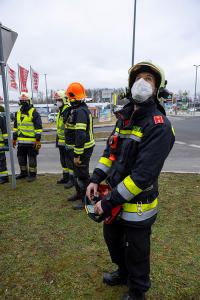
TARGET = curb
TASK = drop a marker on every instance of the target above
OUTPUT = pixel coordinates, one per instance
(96, 140)
(95, 126)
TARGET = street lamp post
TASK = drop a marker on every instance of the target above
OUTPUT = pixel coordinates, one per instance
(134, 22)
(195, 88)
(45, 76)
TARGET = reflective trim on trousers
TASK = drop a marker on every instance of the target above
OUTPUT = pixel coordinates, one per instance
(4, 174)
(71, 171)
(26, 142)
(61, 143)
(32, 169)
(135, 217)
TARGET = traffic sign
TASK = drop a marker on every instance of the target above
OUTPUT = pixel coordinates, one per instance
(8, 39)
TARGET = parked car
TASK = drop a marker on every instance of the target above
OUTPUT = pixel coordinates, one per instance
(52, 117)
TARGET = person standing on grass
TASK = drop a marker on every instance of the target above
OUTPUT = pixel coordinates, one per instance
(63, 107)
(144, 138)
(27, 133)
(79, 140)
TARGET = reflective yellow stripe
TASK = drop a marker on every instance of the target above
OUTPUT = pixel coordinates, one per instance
(78, 150)
(133, 207)
(89, 144)
(106, 161)
(70, 126)
(91, 128)
(173, 130)
(82, 126)
(38, 130)
(134, 132)
(24, 139)
(5, 135)
(3, 173)
(131, 186)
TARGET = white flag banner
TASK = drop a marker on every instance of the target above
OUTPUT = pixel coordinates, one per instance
(35, 80)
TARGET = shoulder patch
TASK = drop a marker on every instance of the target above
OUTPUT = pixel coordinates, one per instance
(158, 119)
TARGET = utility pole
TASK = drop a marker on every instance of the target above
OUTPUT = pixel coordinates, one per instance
(134, 25)
(195, 86)
(45, 76)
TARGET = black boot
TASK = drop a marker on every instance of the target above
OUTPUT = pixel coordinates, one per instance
(21, 175)
(79, 206)
(4, 179)
(114, 278)
(70, 182)
(74, 197)
(62, 181)
(31, 178)
(135, 295)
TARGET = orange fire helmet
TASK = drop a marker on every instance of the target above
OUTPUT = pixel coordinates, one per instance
(75, 91)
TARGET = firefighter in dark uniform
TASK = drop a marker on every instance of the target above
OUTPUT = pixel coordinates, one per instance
(79, 140)
(3, 146)
(63, 106)
(27, 133)
(143, 139)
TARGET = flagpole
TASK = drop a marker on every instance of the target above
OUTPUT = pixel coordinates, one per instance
(31, 82)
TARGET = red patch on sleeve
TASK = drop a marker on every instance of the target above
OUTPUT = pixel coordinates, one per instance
(158, 119)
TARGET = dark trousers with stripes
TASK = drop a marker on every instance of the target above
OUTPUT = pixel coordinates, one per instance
(3, 166)
(64, 161)
(27, 158)
(129, 248)
(81, 173)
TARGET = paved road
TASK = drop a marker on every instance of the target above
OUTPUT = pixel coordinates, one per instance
(185, 156)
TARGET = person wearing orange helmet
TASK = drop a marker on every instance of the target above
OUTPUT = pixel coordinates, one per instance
(79, 139)
(27, 133)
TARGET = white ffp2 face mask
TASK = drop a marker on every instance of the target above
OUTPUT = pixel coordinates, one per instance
(141, 91)
(59, 103)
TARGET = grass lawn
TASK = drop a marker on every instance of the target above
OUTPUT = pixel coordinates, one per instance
(49, 251)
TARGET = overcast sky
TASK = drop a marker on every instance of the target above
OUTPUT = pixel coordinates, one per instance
(91, 40)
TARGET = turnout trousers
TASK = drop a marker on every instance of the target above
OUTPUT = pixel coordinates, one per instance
(129, 248)
(64, 160)
(27, 158)
(3, 166)
(81, 173)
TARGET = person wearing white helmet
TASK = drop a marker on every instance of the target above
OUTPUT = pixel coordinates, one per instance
(143, 139)
(27, 133)
(63, 110)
